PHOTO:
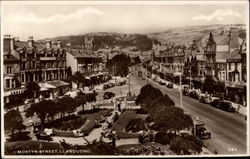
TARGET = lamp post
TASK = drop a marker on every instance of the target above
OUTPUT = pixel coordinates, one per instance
(179, 74)
(180, 91)
(190, 76)
(129, 93)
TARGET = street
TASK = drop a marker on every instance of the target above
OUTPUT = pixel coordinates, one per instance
(228, 130)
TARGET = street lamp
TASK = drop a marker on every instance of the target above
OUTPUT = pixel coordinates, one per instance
(129, 93)
(190, 76)
(179, 74)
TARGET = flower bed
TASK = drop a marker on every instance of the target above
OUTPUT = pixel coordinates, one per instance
(123, 121)
(63, 133)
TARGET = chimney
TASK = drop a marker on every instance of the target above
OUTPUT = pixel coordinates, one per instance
(48, 44)
(30, 41)
(58, 44)
(16, 39)
(8, 43)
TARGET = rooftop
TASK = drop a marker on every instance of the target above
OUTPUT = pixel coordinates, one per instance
(79, 53)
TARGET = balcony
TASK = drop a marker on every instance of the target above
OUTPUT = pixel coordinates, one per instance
(47, 58)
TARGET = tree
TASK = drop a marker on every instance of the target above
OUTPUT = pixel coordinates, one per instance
(186, 144)
(77, 78)
(32, 88)
(170, 119)
(209, 85)
(81, 100)
(146, 92)
(160, 103)
(67, 104)
(13, 121)
(69, 72)
(42, 109)
(119, 64)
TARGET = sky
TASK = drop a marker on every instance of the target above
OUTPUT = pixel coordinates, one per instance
(51, 19)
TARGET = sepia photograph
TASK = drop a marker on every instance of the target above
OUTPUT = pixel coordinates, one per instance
(124, 79)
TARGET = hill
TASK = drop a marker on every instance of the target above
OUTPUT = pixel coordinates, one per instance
(104, 39)
(143, 42)
(184, 35)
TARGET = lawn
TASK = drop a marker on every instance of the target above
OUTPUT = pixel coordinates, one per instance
(85, 122)
(122, 122)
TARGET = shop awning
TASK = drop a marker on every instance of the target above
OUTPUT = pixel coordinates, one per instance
(46, 85)
(43, 89)
(57, 83)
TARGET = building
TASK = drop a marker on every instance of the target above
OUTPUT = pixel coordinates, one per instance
(170, 62)
(78, 60)
(85, 61)
(235, 87)
(27, 61)
(41, 61)
(210, 53)
(11, 73)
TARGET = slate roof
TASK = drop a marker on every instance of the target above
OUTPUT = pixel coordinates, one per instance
(221, 56)
(234, 55)
(78, 53)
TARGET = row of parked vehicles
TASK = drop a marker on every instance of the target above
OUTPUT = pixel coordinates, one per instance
(161, 82)
(207, 99)
(203, 98)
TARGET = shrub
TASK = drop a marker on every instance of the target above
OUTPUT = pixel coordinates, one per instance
(136, 125)
(20, 136)
(141, 111)
(63, 133)
(88, 126)
(73, 124)
(116, 117)
(162, 138)
(186, 144)
(149, 119)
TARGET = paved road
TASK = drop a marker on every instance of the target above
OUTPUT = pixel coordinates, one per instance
(228, 129)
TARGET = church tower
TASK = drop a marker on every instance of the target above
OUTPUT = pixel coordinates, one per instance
(210, 53)
(89, 46)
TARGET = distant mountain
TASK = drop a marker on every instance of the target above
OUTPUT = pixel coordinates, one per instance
(143, 42)
(104, 39)
(184, 35)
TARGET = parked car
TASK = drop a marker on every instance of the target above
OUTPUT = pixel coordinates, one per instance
(108, 95)
(215, 103)
(43, 136)
(227, 106)
(162, 82)
(170, 85)
(205, 99)
(194, 95)
(185, 92)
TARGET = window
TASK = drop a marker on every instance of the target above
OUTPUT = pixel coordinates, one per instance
(22, 77)
(229, 66)
(236, 65)
(7, 83)
(13, 83)
(9, 70)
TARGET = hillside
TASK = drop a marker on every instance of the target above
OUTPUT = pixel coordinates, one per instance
(143, 42)
(104, 39)
(185, 35)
